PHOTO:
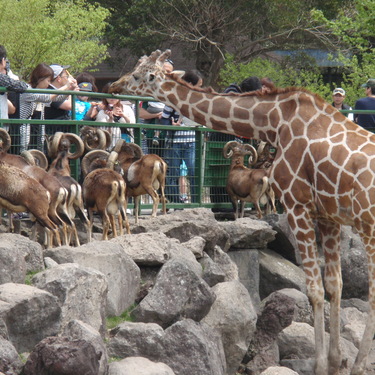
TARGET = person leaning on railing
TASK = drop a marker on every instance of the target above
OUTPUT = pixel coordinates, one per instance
(32, 106)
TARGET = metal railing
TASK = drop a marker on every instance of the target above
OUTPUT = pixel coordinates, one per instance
(210, 169)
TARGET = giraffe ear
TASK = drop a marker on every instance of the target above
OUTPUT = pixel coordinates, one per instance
(178, 73)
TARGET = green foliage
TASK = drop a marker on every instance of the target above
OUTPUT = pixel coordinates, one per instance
(29, 276)
(288, 72)
(114, 321)
(64, 32)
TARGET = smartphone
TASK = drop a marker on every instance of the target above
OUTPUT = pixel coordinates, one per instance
(110, 107)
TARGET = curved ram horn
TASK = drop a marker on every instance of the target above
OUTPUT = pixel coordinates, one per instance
(74, 139)
(38, 158)
(54, 143)
(90, 158)
(94, 139)
(112, 159)
(250, 150)
(228, 149)
(5, 140)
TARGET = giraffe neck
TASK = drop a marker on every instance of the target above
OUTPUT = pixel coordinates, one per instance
(232, 114)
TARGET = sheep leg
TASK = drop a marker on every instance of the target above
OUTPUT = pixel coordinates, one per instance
(106, 223)
(259, 211)
(113, 225)
(235, 207)
(242, 205)
(136, 207)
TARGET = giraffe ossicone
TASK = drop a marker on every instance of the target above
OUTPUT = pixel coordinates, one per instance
(323, 172)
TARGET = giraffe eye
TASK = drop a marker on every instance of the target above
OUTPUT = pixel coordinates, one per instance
(152, 77)
(136, 78)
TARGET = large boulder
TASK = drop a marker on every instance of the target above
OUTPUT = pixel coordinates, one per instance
(247, 262)
(246, 233)
(187, 347)
(146, 249)
(278, 273)
(297, 348)
(233, 316)
(61, 356)
(81, 291)
(276, 313)
(139, 366)
(78, 330)
(353, 265)
(184, 225)
(122, 274)
(10, 362)
(32, 252)
(31, 315)
(178, 294)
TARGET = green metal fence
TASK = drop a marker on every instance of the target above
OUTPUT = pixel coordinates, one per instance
(210, 170)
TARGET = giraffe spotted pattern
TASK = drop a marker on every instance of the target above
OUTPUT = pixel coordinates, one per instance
(323, 173)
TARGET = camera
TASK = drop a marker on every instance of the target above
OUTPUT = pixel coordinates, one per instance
(110, 107)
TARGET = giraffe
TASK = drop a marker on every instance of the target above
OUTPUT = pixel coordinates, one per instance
(323, 172)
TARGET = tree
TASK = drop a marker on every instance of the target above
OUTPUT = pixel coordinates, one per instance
(64, 32)
(208, 29)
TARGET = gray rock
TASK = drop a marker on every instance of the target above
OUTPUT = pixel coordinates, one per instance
(123, 275)
(196, 245)
(303, 312)
(139, 366)
(353, 265)
(284, 243)
(201, 351)
(247, 233)
(77, 329)
(178, 293)
(33, 251)
(50, 263)
(146, 249)
(10, 363)
(225, 263)
(212, 272)
(247, 262)
(233, 316)
(135, 339)
(297, 341)
(12, 263)
(81, 291)
(278, 273)
(354, 325)
(32, 315)
(276, 313)
(184, 225)
(61, 356)
(275, 370)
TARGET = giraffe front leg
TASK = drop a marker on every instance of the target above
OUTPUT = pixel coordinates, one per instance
(303, 228)
(330, 233)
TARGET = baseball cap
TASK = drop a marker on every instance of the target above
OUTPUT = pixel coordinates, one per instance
(369, 83)
(85, 86)
(339, 91)
(57, 69)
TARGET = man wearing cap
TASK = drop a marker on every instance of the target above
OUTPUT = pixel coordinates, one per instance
(58, 110)
(338, 96)
(367, 103)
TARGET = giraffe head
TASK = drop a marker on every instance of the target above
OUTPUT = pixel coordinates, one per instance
(146, 76)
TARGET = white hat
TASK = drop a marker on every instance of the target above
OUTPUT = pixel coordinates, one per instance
(57, 69)
(339, 91)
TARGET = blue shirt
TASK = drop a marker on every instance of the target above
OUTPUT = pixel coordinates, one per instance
(81, 109)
